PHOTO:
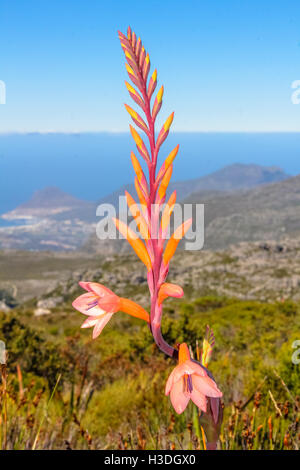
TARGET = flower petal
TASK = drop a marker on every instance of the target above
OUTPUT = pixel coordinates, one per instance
(178, 372)
(189, 368)
(195, 368)
(169, 382)
(175, 239)
(99, 289)
(85, 285)
(101, 324)
(199, 399)
(206, 386)
(90, 321)
(110, 303)
(84, 304)
(169, 290)
(179, 398)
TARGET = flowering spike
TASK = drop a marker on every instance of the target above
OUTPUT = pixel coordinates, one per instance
(175, 239)
(140, 144)
(139, 219)
(169, 290)
(137, 244)
(189, 379)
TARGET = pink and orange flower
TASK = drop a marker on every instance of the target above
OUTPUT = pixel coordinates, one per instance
(99, 303)
(189, 381)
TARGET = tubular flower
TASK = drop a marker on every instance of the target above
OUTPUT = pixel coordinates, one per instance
(99, 303)
(189, 381)
(169, 290)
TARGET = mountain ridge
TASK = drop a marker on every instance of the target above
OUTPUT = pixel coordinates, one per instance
(239, 206)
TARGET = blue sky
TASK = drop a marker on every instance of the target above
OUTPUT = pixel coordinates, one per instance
(226, 65)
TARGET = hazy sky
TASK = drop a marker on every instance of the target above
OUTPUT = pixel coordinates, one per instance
(226, 65)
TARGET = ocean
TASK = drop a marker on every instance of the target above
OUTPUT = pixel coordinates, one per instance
(90, 166)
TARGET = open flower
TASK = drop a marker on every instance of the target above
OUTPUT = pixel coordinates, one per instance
(99, 303)
(189, 381)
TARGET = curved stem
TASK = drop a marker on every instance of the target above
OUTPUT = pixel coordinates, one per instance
(163, 345)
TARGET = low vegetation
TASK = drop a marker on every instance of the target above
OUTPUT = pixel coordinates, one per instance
(60, 390)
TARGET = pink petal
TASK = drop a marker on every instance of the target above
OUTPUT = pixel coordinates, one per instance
(179, 398)
(110, 303)
(83, 305)
(188, 368)
(169, 382)
(194, 368)
(101, 324)
(206, 386)
(199, 399)
(90, 321)
(99, 289)
(85, 285)
(171, 290)
(179, 372)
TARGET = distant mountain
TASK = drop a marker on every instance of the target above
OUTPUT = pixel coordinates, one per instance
(233, 212)
(230, 178)
(46, 203)
(262, 213)
(237, 176)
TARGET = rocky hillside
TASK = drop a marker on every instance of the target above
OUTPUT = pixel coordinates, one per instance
(262, 270)
(262, 213)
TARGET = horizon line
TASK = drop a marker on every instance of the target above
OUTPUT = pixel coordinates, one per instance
(112, 132)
